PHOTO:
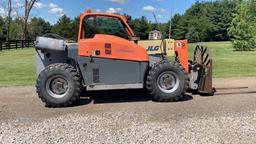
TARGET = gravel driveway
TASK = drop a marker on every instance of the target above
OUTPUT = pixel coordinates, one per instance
(131, 117)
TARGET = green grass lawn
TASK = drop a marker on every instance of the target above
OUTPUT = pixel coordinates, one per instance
(17, 67)
(229, 63)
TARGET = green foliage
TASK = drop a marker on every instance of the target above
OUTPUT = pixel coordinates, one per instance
(75, 28)
(222, 17)
(38, 27)
(205, 21)
(64, 27)
(141, 27)
(193, 35)
(67, 27)
(243, 26)
(16, 29)
(2, 28)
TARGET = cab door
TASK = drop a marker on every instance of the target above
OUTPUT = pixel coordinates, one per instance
(107, 56)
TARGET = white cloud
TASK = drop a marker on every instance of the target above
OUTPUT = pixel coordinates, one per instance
(98, 10)
(149, 8)
(2, 12)
(119, 9)
(39, 5)
(52, 5)
(18, 4)
(162, 10)
(159, 16)
(55, 9)
(114, 10)
(118, 1)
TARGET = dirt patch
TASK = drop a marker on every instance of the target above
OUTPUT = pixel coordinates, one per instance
(17, 102)
(131, 116)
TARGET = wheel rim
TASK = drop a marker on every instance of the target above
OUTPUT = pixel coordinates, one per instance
(57, 86)
(168, 82)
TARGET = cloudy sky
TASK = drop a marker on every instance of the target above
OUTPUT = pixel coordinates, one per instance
(51, 10)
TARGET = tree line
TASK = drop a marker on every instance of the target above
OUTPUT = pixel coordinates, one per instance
(220, 20)
(5, 24)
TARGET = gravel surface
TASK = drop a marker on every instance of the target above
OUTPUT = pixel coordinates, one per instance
(118, 127)
(225, 118)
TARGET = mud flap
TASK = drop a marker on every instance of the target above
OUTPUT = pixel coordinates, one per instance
(201, 72)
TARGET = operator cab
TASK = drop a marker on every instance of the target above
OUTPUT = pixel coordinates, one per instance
(104, 25)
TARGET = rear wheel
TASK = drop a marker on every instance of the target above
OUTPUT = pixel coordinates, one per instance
(59, 85)
(167, 81)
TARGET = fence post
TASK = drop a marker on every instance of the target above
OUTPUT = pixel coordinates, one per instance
(22, 44)
(1, 48)
(9, 45)
(16, 44)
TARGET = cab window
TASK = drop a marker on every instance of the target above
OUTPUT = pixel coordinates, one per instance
(88, 28)
(104, 25)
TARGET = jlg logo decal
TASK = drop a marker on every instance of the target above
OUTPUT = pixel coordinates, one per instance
(153, 48)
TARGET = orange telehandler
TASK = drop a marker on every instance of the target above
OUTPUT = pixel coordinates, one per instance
(109, 56)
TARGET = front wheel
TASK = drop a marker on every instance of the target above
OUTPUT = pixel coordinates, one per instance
(167, 81)
(59, 85)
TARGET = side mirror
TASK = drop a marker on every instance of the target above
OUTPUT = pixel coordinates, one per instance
(135, 39)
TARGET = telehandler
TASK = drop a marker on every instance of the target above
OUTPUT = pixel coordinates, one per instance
(109, 56)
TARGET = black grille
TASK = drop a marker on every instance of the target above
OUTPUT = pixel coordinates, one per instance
(96, 75)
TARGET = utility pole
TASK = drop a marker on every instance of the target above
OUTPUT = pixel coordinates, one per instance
(9, 18)
(170, 27)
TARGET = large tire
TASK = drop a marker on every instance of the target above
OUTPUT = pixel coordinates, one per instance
(167, 81)
(59, 85)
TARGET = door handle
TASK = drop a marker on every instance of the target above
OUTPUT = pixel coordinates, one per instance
(91, 59)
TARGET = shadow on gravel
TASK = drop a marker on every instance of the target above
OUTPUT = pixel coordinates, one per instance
(186, 98)
(83, 101)
(120, 96)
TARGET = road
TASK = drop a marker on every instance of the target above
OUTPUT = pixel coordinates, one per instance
(131, 117)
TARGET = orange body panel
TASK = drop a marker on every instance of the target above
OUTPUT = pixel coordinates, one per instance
(181, 48)
(109, 46)
(112, 47)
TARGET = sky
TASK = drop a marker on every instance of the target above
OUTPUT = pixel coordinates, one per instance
(51, 10)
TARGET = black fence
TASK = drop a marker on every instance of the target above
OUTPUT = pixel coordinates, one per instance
(16, 44)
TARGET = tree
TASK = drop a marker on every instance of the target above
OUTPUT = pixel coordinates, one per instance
(193, 35)
(75, 27)
(210, 19)
(16, 29)
(221, 17)
(27, 7)
(38, 27)
(242, 30)
(2, 36)
(64, 27)
(178, 27)
(141, 27)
